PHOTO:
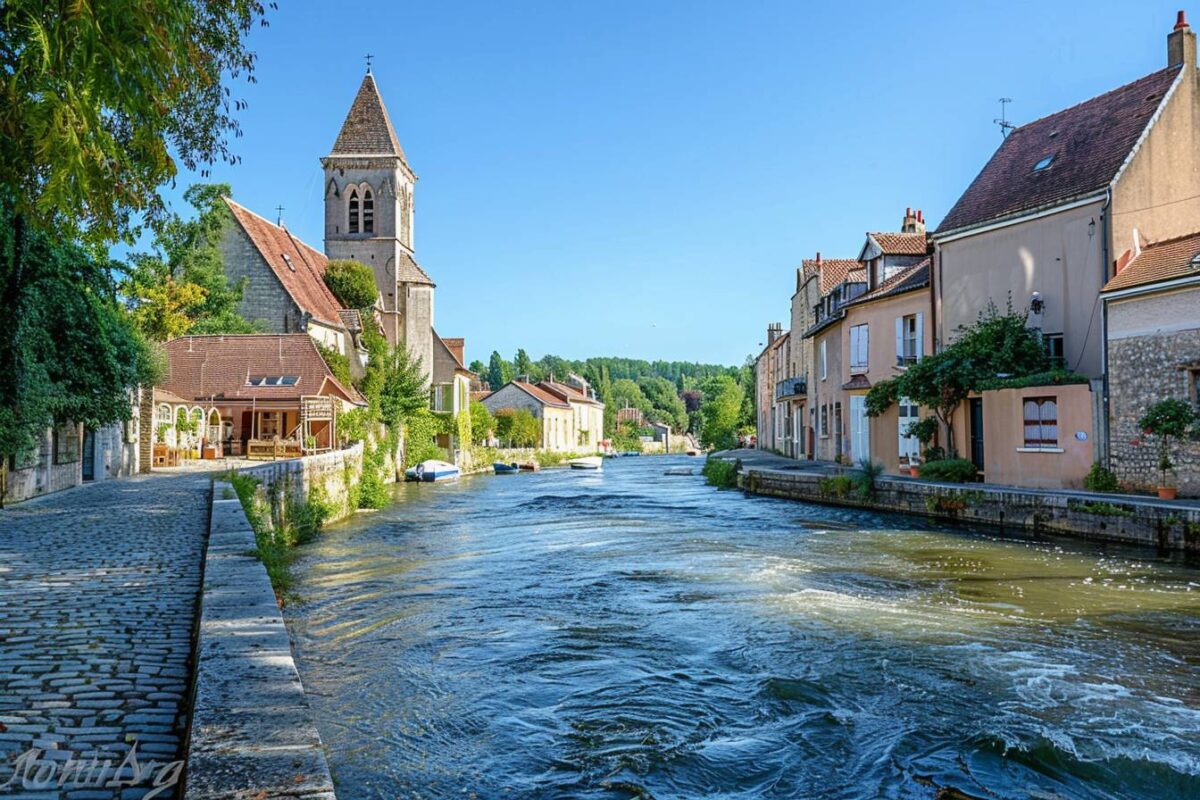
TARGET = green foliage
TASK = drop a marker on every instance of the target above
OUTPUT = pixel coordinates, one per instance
(949, 470)
(665, 404)
(627, 438)
(480, 369)
(552, 458)
(69, 350)
(352, 283)
(720, 473)
(420, 432)
(482, 422)
(924, 429)
(352, 425)
(864, 479)
(338, 364)
(1101, 479)
(269, 549)
(1099, 509)
(523, 367)
(499, 371)
(721, 412)
(953, 500)
(881, 396)
(181, 286)
(1054, 377)
(836, 485)
(403, 391)
(1168, 419)
(100, 99)
(518, 428)
(372, 490)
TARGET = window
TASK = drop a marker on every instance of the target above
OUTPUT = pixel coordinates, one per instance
(1041, 423)
(353, 226)
(859, 348)
(779, 423)
(824, 420)
(269, 424)
(910, 337)
(821, 360)
(1053, 342)
(1043, 164)
(66, 444)
(272, 380)
(910, 446)
(1194, 387)
(368, 212)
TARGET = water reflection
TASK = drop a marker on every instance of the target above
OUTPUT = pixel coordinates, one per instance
(629, 634)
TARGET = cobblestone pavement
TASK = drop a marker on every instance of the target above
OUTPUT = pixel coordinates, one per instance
(98, 590)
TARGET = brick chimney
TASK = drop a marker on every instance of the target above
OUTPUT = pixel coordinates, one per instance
(456, 347)
(1181, 43)
(910, 222)
(774, 331)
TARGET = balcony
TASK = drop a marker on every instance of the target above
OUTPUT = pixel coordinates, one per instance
(792, 387)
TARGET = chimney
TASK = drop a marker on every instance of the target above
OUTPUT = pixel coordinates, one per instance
(774, 331)
(920, 221)
(818, 258)
(910, 222)
(1181, 43)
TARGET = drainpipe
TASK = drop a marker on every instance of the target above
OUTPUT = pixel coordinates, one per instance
(1102, 423)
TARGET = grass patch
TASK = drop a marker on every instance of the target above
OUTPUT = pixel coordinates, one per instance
(1099, 509)
(836, 485)
(1101, 479)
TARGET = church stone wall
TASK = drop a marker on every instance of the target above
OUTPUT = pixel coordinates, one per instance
(264, 300)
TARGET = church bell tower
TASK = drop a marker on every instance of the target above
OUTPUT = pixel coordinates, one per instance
(369, 190)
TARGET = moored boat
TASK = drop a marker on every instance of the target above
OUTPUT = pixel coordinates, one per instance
(587, 462)
(531, 466)
(432, 471)
(506, 469)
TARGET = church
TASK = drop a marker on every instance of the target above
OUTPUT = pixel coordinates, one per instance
(369, 217)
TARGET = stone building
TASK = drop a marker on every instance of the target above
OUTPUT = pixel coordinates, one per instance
(587, 412)
(553, 412)
(71, 454)
(769, 366)
(1153, 350)
(841, 281)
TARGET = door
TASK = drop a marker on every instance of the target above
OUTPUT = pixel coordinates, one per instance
(89, 455)
(975, 407)
(860, 431)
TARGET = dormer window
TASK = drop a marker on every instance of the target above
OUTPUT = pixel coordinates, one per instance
(1194, 263)
(354, 204)
(368, 212)
(1044, 163)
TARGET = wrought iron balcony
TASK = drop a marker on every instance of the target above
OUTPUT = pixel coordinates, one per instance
(791, 387)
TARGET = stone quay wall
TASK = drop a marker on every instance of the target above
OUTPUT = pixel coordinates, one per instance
(329, 475)
(1119, 518)
(252, 732)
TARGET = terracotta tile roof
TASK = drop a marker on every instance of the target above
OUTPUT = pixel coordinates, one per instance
(906, 280)
(567, 392)
(541, 395)
(1158, 262)
(857, 382)
(1089, 143)
(351, 319)
(368, 128)
(200, 367)
(300, 268)
(832, 270)
(163, 396)
(900, 244)
(479, 397)
(409, 271)
(456, 346)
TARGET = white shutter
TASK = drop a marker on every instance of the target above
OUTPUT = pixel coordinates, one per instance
(864, 339)
(920, 349)
(899, 340)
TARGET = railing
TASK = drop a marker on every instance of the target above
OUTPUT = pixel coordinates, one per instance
(791, 387)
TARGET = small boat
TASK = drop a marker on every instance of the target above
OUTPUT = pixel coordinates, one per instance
(531, 466)
(693, 452)
(506, 469)
(630, 453)
(432, 471)
(587, 462)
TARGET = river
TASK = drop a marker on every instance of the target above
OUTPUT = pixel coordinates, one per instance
(631, 634)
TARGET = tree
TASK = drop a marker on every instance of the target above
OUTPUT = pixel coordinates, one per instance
(1168, 419)
(721, 412)
(70, 353)
(499, 371)
(352, 283)
(523, 365)
(99, 100)
(627, 394)
(517, 427)
(665, 402)
(479, 368)
(181, 286)
(404, 391)
(482, 422)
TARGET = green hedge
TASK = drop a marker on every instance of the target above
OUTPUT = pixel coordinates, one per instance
(720, 473)
(950, 470)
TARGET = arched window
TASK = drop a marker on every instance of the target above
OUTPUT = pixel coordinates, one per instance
(368, 212)
(353, 197)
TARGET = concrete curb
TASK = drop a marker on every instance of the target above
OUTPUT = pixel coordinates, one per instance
(252, 734)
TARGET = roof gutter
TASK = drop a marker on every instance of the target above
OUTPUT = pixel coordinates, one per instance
(962, 233)
(1151, 288)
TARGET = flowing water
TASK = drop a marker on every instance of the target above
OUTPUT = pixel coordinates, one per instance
(630, 634)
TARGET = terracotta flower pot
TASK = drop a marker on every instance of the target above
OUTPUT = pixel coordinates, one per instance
(1167, 492)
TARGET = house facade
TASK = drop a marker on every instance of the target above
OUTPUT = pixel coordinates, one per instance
(1152, 311)
(587, 413)
(69, 455)
(771, 428)
(555, 415)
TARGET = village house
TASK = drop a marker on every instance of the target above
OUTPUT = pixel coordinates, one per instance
(254, 395)
(1152, 313)
(771, 363)
(553, 412)
(71, 454)
(587, 412)
(1061, 207)
(826, 396)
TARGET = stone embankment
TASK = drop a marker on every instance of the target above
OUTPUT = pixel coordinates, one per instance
(331, 475)
(252, 732)
(1121, 518)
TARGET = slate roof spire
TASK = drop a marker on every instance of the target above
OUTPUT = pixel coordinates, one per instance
(368, 129)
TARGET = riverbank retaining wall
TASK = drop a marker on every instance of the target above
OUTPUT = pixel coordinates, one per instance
(329, 476)
(252, 733)
(1120, 518)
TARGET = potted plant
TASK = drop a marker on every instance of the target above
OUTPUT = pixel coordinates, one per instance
(1169, 420)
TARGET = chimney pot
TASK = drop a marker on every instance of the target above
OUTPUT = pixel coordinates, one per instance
(1181, 20)
(818, 256)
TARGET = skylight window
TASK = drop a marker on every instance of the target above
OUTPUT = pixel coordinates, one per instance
(288, 260)
(273, 380)
(1195, 262)
(1045, 162)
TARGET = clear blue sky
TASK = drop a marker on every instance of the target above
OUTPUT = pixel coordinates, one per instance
(641, 178)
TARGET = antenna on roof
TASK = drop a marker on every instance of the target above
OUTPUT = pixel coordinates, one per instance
(279, 218)
(1002, 120)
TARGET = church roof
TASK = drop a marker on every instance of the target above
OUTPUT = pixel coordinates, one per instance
(299, 268)
(409, 271)
(368, 128)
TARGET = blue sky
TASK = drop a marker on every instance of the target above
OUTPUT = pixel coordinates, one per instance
(641, 178)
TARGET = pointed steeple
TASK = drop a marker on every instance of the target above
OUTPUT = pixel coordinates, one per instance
(368, 130)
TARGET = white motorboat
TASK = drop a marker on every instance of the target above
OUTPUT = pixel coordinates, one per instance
(432, 471)
(587, 462)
